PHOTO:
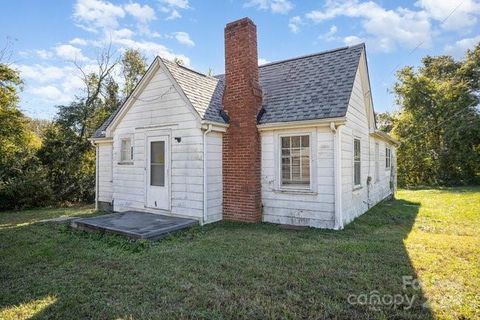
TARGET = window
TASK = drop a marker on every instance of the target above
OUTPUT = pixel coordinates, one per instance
(388, 158)
(295, 161)
(157, 163)
(126, 150)
(356, 162)
(377, 159)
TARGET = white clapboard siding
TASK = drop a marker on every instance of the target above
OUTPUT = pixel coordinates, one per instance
(315, 209)
(214, 177)
(356, 201)
(105, 173)
(160, 109)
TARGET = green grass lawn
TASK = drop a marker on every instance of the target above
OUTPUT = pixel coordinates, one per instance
(234, 270)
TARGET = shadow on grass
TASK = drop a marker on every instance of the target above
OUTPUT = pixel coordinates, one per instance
(225, 270)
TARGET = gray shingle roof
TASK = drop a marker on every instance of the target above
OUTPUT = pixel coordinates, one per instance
(204, 92)
(100, 132)
(312, 87)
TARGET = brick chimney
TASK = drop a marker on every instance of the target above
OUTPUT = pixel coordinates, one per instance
(242, 100)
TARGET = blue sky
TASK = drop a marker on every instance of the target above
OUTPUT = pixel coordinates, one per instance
(48, 35)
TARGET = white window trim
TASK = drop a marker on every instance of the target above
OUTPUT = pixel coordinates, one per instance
(121, 139)
(307, 189)
(390, 158)
(356, 186)
(377, 161)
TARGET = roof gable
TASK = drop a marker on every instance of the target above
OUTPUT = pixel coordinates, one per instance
(111, 122)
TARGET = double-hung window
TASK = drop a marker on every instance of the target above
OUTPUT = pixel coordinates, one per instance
(388, 158)
(126, 150)
(295, 161)
(357, 162)
(377, 159)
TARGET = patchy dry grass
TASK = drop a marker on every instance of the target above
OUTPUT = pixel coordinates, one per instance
(234, 270)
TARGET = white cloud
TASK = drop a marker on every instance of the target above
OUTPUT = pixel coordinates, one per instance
(51, 94)
(294, 24)
(276, 6)
(173, 7)
(93, 14)
(352, 40)
(151, 49)
(52, 85)
(69, 52)
(78, 42)
(388, 29)
(461, 46)
(174, 14)
(143, 14)
(182, 4)
(262, 61)
(281, 6)
(465, 13)
(184, 38)
(330, 35)
(122, 33)
(44, 54)
(59, 81)
(42, 73)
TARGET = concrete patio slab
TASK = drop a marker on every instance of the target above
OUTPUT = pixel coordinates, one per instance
(135, 224)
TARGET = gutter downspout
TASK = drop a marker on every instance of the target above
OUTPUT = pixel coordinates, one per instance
(337, 149)
(96, 176)
(205, 169)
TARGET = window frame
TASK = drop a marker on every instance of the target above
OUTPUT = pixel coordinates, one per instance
(355, 185)
(306, 188)
(128, 160)
(377, 161)
(388, 158)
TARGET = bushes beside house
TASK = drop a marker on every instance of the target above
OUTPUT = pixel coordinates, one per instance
(52, 162)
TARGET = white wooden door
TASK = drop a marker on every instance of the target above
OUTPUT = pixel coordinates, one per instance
(158, 173)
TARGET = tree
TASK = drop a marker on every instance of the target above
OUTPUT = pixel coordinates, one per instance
(101, 92)
(385, 121)
(22, 179)
(179, 61)
(438, 124)
(38, 126)
(14, 132)
(81, 115)
(66, 152)
(70, 164)
(133, 68)
(44, 162)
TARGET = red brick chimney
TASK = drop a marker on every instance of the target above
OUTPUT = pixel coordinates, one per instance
(242, 100)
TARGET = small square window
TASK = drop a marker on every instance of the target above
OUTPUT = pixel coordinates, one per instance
(126, 150)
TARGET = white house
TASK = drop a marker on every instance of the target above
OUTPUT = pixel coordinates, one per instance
(290, 142)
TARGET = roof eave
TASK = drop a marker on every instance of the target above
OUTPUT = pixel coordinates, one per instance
(215, 123)
(101, 140)
(384, 136)
(301, 123)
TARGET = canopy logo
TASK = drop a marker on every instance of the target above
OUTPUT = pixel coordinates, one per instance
(375, 300)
